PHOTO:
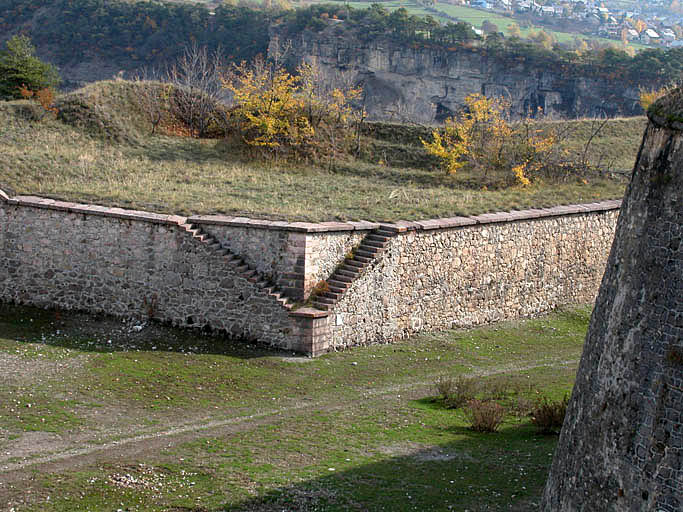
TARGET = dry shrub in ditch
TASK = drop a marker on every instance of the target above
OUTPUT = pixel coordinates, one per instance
(455, 392)
(485, 415)
(548, 415)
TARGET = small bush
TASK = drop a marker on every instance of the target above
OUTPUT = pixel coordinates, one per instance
(485, 416)
(548, 415)
(455, 392)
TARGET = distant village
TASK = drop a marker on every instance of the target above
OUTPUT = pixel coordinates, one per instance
(653, 22)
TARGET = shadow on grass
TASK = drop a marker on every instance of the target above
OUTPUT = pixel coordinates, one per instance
(105, 334)
(479, 472)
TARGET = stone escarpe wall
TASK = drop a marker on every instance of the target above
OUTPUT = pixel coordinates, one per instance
(621, 446)
(251, 277)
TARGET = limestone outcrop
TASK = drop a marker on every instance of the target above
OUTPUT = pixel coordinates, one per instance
(621, 446)
(419, 84)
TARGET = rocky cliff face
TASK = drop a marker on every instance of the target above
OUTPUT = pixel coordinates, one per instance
(621, 446)
(427, 84)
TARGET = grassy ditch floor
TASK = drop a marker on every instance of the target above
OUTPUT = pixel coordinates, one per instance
(98, 414)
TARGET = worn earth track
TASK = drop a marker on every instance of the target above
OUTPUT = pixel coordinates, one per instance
(135, 446)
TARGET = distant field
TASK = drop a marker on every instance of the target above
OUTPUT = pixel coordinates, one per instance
(122, 165)
(476, 17)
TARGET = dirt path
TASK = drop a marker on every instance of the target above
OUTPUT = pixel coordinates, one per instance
(134, 446)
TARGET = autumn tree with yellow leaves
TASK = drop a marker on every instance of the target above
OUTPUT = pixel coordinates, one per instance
(280, 114)
(481, 140)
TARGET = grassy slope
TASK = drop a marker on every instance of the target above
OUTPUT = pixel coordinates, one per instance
(124, 166)
(363, 420)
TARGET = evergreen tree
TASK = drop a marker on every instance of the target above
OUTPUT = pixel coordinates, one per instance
(19, 67)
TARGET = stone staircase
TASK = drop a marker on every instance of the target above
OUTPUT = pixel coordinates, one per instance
(374, 244)
(241, 267)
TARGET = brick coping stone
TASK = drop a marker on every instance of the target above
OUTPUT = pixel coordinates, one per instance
(400, 226)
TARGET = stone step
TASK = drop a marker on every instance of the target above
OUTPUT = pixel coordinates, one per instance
(368, 249)
(331, 295)
(365, 254)
(337, 289)
(337, 285)
(320, 305)
(351, 268)
(343, 278)
(354, 263)
(363, 259)
(385, 233)
(378, 238)
(346, 273)
(325, 300)
(375, 243)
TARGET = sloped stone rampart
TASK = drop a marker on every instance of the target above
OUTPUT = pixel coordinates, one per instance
(621, 446)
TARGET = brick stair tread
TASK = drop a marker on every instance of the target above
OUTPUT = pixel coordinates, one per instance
(366, 253)
(352, 272)
(325, 300)
(342, 278)
(363, 259)
(331, 295)
(320, 305)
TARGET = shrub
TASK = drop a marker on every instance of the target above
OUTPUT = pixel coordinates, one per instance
(548, 415)
(455, 392)
(485, 416)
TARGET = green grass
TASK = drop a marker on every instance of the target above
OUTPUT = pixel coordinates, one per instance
(122, 165)
(349, 423)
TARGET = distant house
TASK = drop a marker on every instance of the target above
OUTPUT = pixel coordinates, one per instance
(649, 36)
(668, 35)
(523, 6)
(482, 4)
(632, 34)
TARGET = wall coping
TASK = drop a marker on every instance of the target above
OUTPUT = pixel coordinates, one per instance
(400, 226)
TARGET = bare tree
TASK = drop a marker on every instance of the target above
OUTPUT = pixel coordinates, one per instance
(197, 87)
(153, 96)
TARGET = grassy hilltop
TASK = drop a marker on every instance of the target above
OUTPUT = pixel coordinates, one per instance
(99, 149)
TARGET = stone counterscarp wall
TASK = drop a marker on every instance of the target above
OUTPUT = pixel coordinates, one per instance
(129, 264)
(621, 446)
(468, 271)
(234, 274)
(295, 256)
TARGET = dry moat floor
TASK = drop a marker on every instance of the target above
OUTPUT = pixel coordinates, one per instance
(102, 415)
